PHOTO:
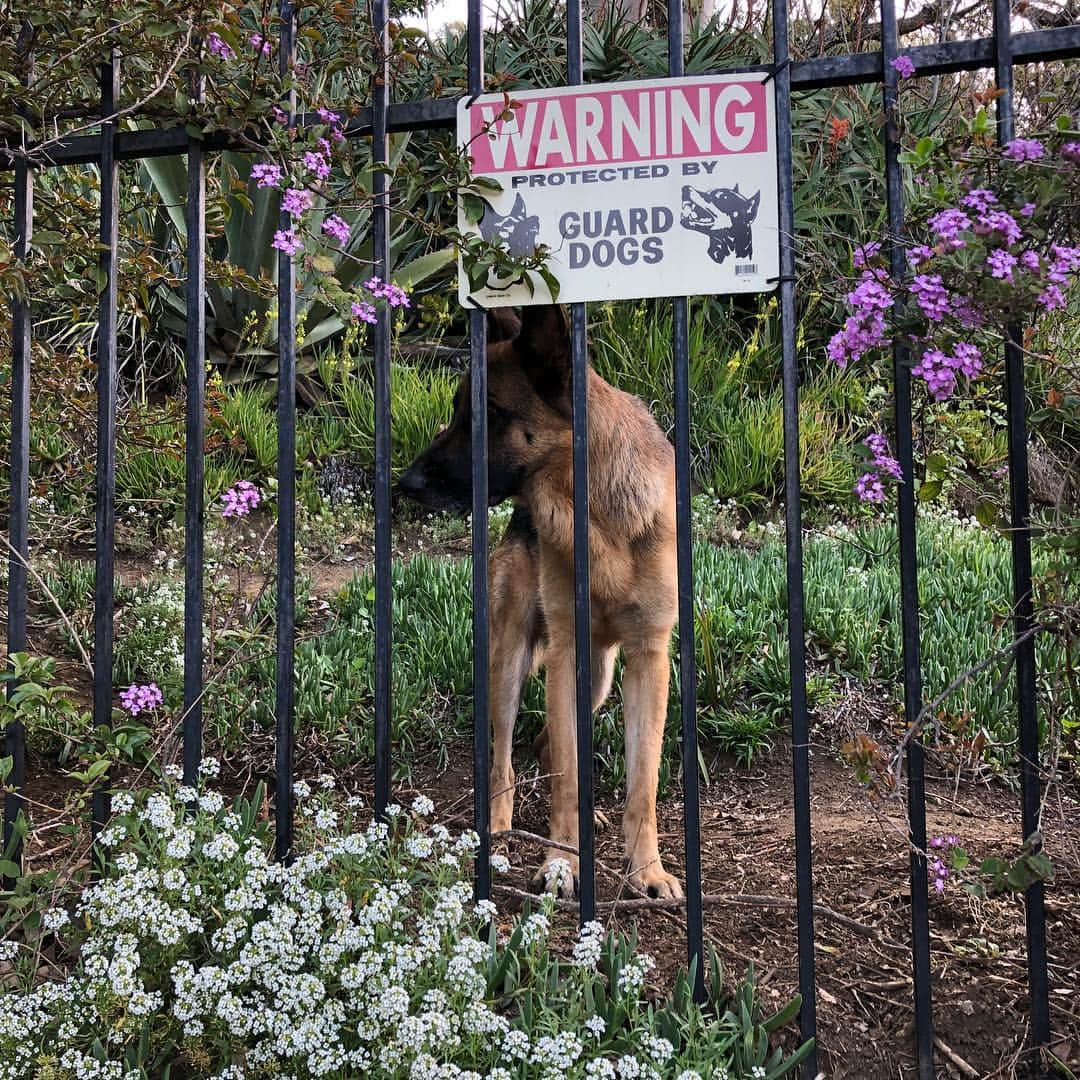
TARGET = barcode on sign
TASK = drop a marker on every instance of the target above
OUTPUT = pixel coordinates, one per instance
(745, 268)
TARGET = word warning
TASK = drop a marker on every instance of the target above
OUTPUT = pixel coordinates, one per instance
(659, 188)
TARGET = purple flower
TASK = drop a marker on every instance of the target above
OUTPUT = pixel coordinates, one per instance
(938, 371)
(1052, 297)
(280, 115)
(883, 459)
(1001, 222)
(328, 117)
(286, 240)
(240, 499)
(336, 227)
(260, 44)
(865, 253)
(136, 699)
(316, 163)
(1024, 150)
(1030, 261)
(965, 309)
(861, 332)
(931, 296)
(1001, 263)
(217, 47)
(979, 199)
(869, 488)
(1070, 151)
(947, 224)
(871, 292)
(297, 201)
(968, 359)
(1027, 209)
(364, 311)
(919, 254)
(936, 866)
(394, 295)
(266, 174)
(1066, 260)
(904, 66)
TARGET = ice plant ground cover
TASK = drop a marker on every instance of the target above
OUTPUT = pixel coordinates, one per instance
(195, 955)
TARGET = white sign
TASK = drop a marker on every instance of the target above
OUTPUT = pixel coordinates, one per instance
(666, 187)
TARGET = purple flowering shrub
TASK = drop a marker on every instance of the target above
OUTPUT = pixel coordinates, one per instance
(990, 244)
(949, 863)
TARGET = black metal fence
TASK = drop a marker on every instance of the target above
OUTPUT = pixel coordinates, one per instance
(110, 146)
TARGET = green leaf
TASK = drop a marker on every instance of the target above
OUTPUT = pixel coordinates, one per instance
(936, 464)
(930, 489)
(421, 268)
(8, 869)
(986, 514)
(551, 281)
(473, 207)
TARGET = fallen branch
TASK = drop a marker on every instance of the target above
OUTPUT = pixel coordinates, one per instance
(644, 903)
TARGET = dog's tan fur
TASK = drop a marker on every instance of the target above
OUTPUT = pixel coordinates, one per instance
(632, 574)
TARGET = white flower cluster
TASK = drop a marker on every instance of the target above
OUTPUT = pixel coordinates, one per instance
(362, 957)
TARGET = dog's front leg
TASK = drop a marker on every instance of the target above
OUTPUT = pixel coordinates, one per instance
(645, 699)
(562, 755)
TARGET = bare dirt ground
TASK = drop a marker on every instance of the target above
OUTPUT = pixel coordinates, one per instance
(862, 922)
(863, 913)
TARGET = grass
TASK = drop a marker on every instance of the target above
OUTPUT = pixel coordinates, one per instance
(853, 633)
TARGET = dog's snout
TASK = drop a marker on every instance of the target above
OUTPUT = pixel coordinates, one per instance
(412, 481)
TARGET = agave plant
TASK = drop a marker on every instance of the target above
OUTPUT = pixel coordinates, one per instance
(241, 330)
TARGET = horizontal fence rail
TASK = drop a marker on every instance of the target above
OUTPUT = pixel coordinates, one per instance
(820, 73)
(110, 146)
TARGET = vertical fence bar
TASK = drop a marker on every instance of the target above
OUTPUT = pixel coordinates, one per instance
(680, 350)
(105, 466)
(1023, 605)
(481, 642)
(800, 725)
(286, 515)
(579, 368)
(19, 507)
(194, 438)
(380, 220)
(909, 580)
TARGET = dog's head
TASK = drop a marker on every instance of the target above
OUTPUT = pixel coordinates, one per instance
(528, 363)
(723, 212)
(518, 229)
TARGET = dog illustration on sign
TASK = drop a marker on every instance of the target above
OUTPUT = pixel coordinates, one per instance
(518, 229)
(724, 215)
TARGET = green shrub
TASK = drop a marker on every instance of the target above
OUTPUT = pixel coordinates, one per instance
(743, 685)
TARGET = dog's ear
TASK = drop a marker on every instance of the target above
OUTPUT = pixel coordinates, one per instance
(752, 207)
(518, 210)
(503, 324)
(544, 347)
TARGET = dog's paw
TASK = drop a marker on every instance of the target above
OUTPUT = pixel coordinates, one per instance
(559, 875)
(656, 883)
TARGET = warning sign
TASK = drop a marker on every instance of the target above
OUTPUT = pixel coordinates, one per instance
(659, 188)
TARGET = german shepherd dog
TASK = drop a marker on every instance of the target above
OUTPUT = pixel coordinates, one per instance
(632, 570)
